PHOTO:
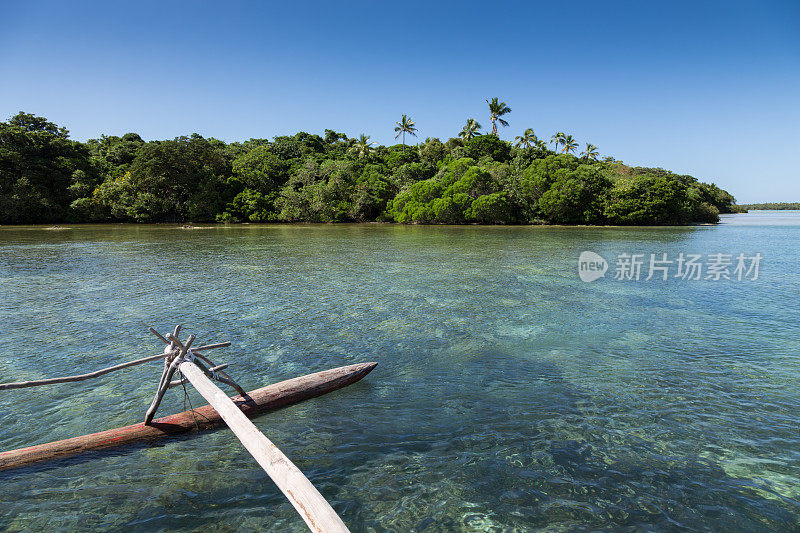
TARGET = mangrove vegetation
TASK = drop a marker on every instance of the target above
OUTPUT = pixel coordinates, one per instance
(473, 177)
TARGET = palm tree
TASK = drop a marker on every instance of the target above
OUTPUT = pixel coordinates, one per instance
(406, 125)
(590, 153)
(556, 139)
(527, 139)
(363, 146)
(569, 143)
(497, 110)
(540, 145)
(470, 130)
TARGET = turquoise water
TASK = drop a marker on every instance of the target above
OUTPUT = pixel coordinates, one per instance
(509, 396)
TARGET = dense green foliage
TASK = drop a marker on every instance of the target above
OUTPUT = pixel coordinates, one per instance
(41, 170)
(471, 178)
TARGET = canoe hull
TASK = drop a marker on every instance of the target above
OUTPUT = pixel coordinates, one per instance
(258, 401)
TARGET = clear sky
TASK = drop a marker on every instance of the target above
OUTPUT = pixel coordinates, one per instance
(706, 88)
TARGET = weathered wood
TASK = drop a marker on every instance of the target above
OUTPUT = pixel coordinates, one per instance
(177, 382)
(202, 357)
(81, 377)
(177, 342)
(212, 346)
(301, 493)
(257, 401)
(221, 376)
(166, 377)
(215, 345)
(159, 335)
(216, 373)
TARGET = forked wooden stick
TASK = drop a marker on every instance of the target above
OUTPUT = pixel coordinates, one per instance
(166, 377)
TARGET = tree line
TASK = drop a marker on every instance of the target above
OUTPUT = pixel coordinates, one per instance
(46, 177)
(772, 206)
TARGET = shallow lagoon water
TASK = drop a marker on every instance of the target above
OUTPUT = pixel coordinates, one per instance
(509, 396)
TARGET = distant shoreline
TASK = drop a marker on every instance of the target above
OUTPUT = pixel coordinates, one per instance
(772, 206)
(232, 225)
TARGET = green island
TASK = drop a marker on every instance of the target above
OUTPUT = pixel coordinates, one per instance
(472, 178)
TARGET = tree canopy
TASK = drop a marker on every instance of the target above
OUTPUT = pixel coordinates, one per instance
(45, 177)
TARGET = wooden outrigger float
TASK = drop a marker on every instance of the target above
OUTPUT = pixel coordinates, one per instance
(235, 412)
(202, 418)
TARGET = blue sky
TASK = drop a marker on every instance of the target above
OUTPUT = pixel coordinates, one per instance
(706, 88)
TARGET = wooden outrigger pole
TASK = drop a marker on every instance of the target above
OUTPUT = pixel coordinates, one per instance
(317, 513)
(306, 499)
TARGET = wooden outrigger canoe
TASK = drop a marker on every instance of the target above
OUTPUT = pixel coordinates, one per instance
(206, 417)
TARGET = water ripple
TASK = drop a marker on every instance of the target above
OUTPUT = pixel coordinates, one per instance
(509, 397)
